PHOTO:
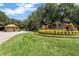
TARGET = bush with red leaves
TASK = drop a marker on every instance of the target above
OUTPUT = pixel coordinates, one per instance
(69, 27)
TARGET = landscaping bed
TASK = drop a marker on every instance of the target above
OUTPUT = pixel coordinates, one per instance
(59, 32)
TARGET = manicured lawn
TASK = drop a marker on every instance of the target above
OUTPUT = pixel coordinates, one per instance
(29, 44)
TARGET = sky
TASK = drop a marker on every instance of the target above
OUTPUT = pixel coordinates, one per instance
(19, 11)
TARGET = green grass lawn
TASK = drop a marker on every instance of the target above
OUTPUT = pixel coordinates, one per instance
(30, 44)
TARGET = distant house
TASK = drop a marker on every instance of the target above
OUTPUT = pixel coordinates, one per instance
(11, 28)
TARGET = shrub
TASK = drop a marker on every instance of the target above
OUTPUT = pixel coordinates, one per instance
(59, 32)
(69, 27)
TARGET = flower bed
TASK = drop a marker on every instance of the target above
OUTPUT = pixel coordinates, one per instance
(59, 32)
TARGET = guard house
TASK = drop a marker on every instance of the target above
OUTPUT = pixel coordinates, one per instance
(11, 28)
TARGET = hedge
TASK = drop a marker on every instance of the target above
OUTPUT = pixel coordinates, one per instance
(59, 32)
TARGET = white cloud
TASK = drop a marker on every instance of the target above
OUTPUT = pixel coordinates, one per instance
(26, 5)
(22, 8)
(1, 4)
(9, 11)
(32, 9)
(20, 4)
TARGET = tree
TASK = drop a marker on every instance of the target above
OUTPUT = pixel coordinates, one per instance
(49, 13)
(4, 20)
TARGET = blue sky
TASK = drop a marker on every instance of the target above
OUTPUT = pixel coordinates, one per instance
(19, 11)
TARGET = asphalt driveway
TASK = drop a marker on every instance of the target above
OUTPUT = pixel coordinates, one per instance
(4, 36)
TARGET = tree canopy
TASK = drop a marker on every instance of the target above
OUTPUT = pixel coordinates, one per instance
(4, 20)
(51, 12)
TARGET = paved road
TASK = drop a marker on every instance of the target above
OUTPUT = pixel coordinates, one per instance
(4, 36)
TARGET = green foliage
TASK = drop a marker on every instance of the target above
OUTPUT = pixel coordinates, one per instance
(51, 12)
(6, 20)
(3, 18)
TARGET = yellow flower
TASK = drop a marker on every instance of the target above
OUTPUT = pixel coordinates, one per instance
(59, 32)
